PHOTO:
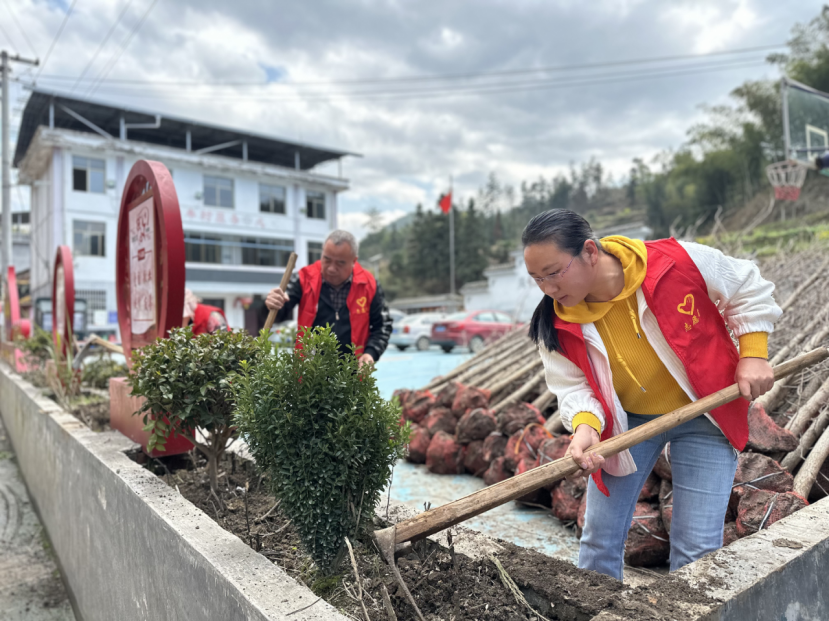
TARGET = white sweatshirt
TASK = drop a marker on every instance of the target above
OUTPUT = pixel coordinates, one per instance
(734, 285)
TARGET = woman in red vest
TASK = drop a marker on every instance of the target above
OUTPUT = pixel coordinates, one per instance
(629, 330)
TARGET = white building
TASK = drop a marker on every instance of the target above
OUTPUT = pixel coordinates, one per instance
(246, 200)
(510, 289)
(507, 288)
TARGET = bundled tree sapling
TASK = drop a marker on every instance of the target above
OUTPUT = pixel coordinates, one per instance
(187, 381)
(318, 426)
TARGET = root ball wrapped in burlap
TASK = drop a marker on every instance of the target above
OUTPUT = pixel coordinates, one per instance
(470, 398)
(759, 509)
(647, 544)
(765, 435)
(498, 471)
(419, 444)
(445, 456)
(518, 416)
(440, 419)
(476, 424)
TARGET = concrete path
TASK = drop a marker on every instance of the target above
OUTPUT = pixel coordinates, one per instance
(413, 485)
(30, 585)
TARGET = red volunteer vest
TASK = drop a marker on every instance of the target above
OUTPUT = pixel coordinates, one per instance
(201, 316)
(363, 288)
(691, 324)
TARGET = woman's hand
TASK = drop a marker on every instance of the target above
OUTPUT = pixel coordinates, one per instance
(584, 438)
(754, 376)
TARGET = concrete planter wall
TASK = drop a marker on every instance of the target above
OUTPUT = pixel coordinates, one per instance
(130, 547)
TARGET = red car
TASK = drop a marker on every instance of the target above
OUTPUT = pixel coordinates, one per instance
(472, 329)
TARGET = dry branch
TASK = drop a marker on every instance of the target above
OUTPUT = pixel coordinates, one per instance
(804, 415)
(805, 285)
(501, 367)
(514, 376)
(799, 337)
(543, 400)
(486, 351)
(807, 440)
(486, 364)
(528, 387)
(808, 472)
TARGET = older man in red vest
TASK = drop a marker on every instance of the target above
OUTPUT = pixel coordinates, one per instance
(337, 291)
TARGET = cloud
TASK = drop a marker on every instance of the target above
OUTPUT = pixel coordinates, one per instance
(304, 53)
(356, 222)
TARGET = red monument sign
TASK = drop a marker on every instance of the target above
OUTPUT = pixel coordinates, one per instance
(149, 283)
(149, 257)
(63, 298)
(11, 305)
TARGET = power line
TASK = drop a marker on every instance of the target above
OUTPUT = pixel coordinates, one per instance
(22, 31)
(101, 46)
(124, 46)
(430, 92)
(6, 34)
(449, 76)
(55, 40)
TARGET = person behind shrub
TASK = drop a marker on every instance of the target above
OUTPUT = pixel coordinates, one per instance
(205, 318)
(337, 291)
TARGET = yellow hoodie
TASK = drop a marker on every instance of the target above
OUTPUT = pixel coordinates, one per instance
(643, 384)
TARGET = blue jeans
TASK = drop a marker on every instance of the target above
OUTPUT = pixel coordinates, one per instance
(703, 464)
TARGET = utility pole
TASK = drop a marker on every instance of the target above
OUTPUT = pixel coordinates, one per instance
(5, 68)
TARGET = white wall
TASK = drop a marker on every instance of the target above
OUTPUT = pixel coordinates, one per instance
(509, 290)
(55, 207)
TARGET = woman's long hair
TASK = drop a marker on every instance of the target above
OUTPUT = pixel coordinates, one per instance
(567, 230)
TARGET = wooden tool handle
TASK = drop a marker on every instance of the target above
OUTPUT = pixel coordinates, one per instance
(439, 518)
(286, 278)
(115, 349)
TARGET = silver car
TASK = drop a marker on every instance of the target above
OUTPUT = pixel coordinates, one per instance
(414, 330)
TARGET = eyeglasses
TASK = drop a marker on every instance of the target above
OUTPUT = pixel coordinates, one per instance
(555, 275)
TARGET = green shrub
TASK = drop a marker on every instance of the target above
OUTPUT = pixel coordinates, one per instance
(327, 439)
(97, 373)
(188, 380)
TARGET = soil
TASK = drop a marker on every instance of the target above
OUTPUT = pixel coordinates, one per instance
(446, 586)
(93, 411)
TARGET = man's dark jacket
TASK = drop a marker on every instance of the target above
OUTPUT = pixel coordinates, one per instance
(380, 322)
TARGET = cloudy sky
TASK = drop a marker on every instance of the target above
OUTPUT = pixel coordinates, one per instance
(423, 90)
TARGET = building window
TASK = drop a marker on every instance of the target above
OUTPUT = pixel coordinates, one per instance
(271, 198)
(89, 238)
(315, 205)
(217, 302)
(218, 191)
(96, 300)
(314, 252)
(199, 248)
(266, 252)
(88, 174)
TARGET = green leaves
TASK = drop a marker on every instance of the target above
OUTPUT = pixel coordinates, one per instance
(185, 380)
(319, 427)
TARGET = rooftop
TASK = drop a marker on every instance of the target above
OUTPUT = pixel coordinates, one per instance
(119, 121)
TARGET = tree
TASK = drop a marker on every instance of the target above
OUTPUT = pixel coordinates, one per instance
(317, 424)
(186, 382)
(374, 219)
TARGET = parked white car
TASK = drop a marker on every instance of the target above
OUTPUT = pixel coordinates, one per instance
(414, 330)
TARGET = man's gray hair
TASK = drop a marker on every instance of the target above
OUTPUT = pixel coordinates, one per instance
(343, 237)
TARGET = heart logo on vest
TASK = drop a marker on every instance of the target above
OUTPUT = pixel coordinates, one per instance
(361, 302)
(687, 306)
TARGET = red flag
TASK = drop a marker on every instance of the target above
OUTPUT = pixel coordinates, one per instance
(446, 202)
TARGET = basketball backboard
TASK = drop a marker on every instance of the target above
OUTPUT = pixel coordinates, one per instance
(805, 121)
